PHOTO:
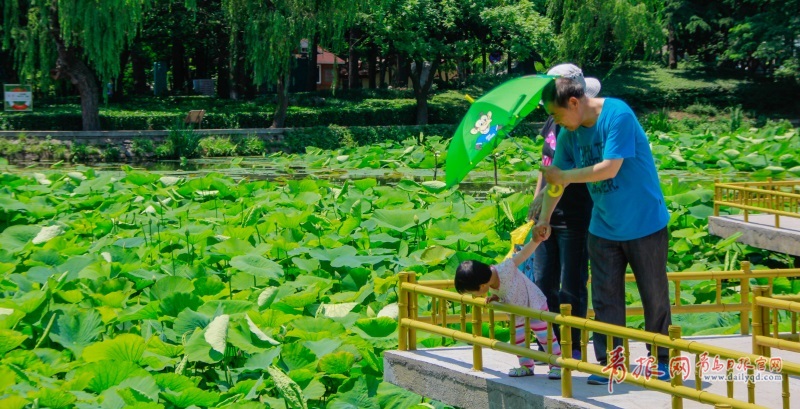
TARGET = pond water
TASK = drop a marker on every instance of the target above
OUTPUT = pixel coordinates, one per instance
(260, 168)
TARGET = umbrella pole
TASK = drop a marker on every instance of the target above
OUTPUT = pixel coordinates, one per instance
(494, 159)
(533, 160)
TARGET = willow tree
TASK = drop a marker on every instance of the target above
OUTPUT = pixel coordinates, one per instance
(273, 29)
(591, 31)
(77, 40)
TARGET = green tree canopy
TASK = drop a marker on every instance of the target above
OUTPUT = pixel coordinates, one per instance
(520, 30)
(78, 40)
(591, 31)
(273, 29)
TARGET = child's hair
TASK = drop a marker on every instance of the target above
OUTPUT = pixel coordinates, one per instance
(471, 274)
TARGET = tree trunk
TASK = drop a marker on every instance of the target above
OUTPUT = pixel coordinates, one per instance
(313, 70)
(118, 93)
(422, 108)
(483, 54)
(283, 103)
(202, 69)
(671, 47)
(382, 81)
(353, 79)
(223, 71)
(7, 72)
(421, 82)
(178, 66)
(373, 69)
(400, 79)
(69, 64)
(139, 66)
(239, 78)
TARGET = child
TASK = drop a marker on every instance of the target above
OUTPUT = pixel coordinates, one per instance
(509, 285)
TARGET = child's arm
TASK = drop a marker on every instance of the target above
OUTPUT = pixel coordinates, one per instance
(539, 234)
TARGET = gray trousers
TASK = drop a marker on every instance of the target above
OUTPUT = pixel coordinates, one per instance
(647, 257)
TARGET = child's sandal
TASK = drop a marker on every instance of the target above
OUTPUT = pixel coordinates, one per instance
(521, 371)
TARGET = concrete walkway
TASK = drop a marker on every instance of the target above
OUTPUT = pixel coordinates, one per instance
(446, 374)
(760, 231)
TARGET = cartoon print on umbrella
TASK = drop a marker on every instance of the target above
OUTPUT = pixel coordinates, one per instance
(484, 126)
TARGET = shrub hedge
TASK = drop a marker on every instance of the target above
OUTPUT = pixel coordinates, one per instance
(446, 108)
(183, 142)
(367, 113)
(645, 88)
(332, 137)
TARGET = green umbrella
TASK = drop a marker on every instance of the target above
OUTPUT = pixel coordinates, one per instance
(489, 120)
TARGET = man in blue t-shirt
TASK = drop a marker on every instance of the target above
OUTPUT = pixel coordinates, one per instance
(602, 144)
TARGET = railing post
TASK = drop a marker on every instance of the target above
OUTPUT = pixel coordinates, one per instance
(584, 345)
(758, 330)
(765, 323)
(785, 389)
(746, 196)
(722, 406)
(674, 354)
(566, 348)
(413, 312)
(744, 316)
(477, 326)
(717, 197)
(402, 306)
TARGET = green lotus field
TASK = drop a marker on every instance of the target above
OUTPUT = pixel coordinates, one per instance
(226, 288)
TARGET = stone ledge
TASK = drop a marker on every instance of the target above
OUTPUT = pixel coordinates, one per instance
(760, 231)
(446, 374)
(457, 385)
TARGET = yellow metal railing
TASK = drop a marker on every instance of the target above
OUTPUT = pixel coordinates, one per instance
(743, 307)
(777, 198)
(439, 322)
(766, 334)
(743, 276)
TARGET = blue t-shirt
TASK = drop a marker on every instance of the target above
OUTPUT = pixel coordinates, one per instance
(630, 205)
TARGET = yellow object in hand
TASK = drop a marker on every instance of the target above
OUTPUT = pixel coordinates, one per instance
(519, 236)
(555, 190)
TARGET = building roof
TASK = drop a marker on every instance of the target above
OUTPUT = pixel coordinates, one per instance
(326, 57)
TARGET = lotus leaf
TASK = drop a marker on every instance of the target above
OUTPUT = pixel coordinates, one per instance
(56, 399)
(14, 238)
(191, 397)
(258, 266)
(400, 220)
(355, 398)
(198, 349)
(9, 340)
(125, 347)
(257, 362)
(174, 382)
(337, 363)
(77, 329)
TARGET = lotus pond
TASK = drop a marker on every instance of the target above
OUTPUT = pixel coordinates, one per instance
(244, 282)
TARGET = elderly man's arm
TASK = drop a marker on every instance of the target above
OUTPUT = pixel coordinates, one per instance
(606, 169)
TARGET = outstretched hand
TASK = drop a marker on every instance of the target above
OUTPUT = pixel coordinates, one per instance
(492, 298)
(541, 231)
(535, 207)
(553, 175)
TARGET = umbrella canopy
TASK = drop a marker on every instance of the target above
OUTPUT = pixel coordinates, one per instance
(489, 120)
